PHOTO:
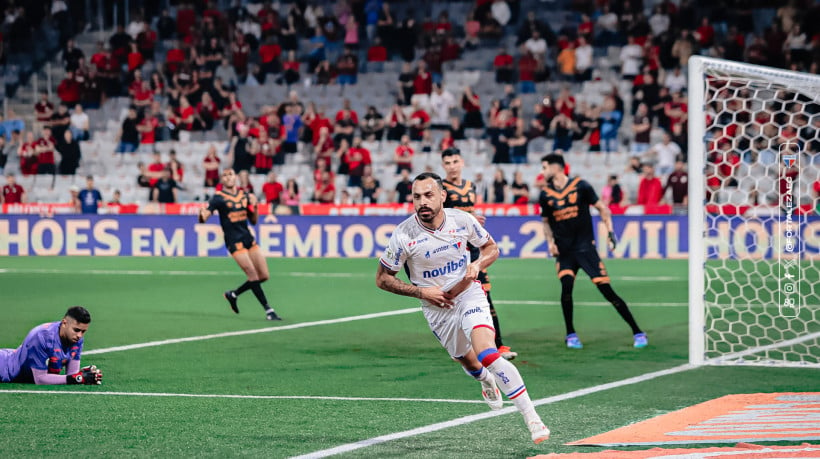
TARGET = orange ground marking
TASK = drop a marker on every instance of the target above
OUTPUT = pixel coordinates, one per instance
(793, 416)
(741, 451)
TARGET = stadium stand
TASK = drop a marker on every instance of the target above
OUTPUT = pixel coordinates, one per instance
(166, 57)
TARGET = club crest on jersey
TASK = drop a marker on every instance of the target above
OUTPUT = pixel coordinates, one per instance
(457, 245)
(789, 160)
(572, 197)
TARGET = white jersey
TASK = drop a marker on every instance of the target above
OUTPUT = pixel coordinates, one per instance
(434, 258)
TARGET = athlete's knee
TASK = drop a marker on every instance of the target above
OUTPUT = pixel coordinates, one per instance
(263, 277)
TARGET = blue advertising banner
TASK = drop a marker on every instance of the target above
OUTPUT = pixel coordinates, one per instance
(641, 237)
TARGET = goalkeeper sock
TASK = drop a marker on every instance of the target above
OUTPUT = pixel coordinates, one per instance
(567, 282)
(256, 287)
(509, 381)
(244, 287)
(496, 325)
(620, 306)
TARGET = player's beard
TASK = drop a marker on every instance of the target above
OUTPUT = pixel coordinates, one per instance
(427, 214)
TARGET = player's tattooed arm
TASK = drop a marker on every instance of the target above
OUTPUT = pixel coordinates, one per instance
(606, 217)
(550, 238)
(387, 280)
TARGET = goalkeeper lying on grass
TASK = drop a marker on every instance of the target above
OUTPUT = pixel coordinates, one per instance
(48, 349)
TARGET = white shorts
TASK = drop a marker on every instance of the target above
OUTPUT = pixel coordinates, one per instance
(453, 326)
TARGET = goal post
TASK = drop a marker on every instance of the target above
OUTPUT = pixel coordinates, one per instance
(754, 274)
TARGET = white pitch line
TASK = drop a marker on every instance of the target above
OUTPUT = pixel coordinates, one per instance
(235, 396)
(129, 347)
(490, 414)
(150, 272)
(584, 303)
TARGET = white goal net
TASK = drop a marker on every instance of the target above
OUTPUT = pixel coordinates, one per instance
(754, 234)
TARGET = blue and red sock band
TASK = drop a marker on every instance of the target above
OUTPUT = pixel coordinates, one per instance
(488, 356)
(520, 390)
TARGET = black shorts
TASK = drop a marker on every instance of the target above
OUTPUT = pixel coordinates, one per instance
(240, 245)
(588, 260)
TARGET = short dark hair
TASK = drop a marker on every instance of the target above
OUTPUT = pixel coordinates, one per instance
(430, 175)
(554, 158)
(80, 314)
(452, 151)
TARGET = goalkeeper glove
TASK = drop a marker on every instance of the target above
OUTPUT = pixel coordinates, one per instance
(613, 241)
(90, 375)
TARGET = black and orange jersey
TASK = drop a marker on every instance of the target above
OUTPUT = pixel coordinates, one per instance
(233, 215)
(460, 196)
(567, 212)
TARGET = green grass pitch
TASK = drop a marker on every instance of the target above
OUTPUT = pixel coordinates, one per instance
(139, 300)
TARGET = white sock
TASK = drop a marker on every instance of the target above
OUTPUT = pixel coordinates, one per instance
(510, 382)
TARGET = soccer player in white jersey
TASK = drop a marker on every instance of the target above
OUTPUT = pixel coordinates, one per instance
(432, 245)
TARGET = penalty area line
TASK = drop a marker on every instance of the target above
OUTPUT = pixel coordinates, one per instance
(584, 303)
(164, 342)
(236, 396)
(346, 448)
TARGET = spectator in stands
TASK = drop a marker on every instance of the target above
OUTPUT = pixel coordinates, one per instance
(60, 121)
(290, 196)
(28, 155)
(376, 56)
(325, 191)
(583, 60)
(43, 109)
(372, 125)
(12, 192)
(517, 144)
(69, 90)
(588, 119)
(404, 155)
(659, 21)
(357, 159)
(45, 151)
(263, 148)
(520, 189)
(499, 187)
(404, 188)
(210, 164)
(90, 198)
(272, 191)
(504, 70)
(227, 73)
(566, 61)
(564, 129)
(344, 128)
(348, 68)
(129, 135)
(683, 47)
(641, 130)
(471, 104)
(397, 123)
(418, 122)
(441, 103)
(607, 27)
(678, 182)
(631, 178)
(664, 154)
(371, 188)
(69, 150)
(631, 59)
(527, 68)
(177, 171)
(610, 123)
(650, 190)
(611, 193)
(79, 124)
(164, 191)
(675, 81)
